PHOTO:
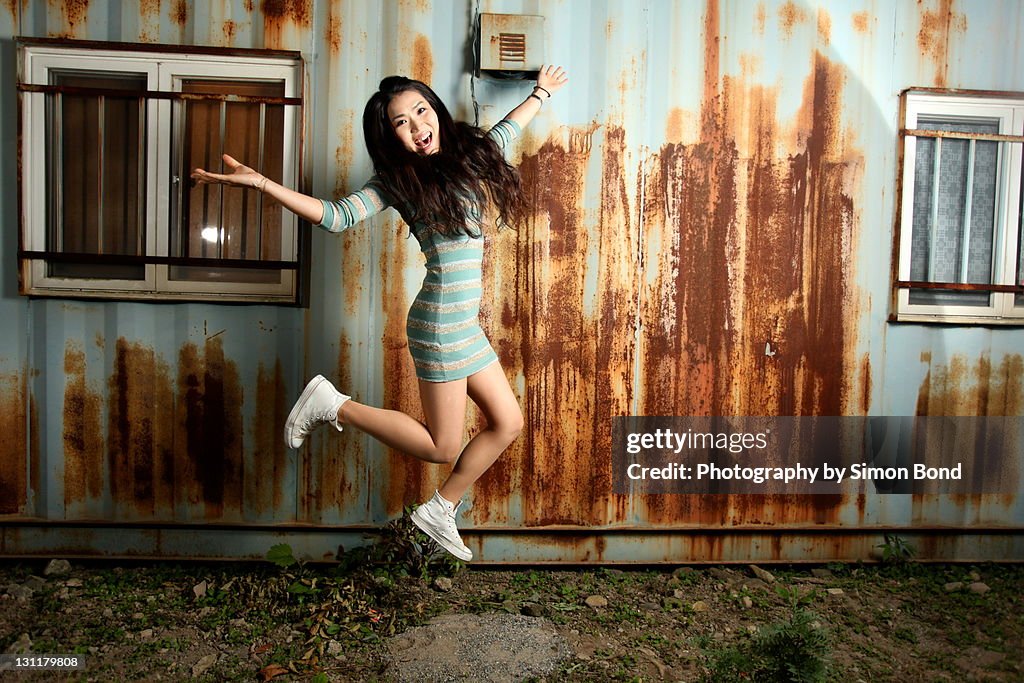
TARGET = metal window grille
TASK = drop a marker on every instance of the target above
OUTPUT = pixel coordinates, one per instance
(95, 164)
(955, 231)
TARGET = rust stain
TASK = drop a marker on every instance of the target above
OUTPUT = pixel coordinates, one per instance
(298, 12)
(965, 388)
(179, 12)
(559, 334)
(344, 153)
(861, 22)
(353, 250)
(230, 29)
(422, 59)
(546, 345)
(674, 125)
(344, 458)
(13, 6)
(707, 311)
(333, 31)
(75, 12)
(408, 479)
(711, 305)
(761, 18)
(208, 430)
(420, 6)
(865, 379)
(712, 68)
(14, 440)
(149, 8)
(250, 6)
(264, 481)
(140, 433)
(789, 16)
(83, 432)
(354, 241)
(824, 26)
(933, 36)
(618, 268)
(958, 388)
(279, 15)
(35, 470)
(330, 467)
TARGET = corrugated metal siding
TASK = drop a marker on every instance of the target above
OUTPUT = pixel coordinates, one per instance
(718, 175)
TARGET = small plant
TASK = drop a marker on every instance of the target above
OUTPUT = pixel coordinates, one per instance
(405, 551)
(281, 555)
(895, 550)
(906, 634)
(568, 591)
(685, 576)
(792, 651)
(796, 598)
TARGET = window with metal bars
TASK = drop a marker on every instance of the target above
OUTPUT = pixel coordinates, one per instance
(110, 134)
(959, 256)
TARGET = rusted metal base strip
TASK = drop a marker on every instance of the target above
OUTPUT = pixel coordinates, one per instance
(641, 547)
(960, 135)
(960, 286)
(141, 259)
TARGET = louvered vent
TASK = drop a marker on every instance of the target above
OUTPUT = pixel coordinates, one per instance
(511, 44)
(512, 47)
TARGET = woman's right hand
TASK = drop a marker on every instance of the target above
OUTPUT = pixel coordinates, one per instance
(240, 175)
(307, 208)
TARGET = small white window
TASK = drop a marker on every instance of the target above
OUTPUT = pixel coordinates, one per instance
(109, 135)
(959, 231)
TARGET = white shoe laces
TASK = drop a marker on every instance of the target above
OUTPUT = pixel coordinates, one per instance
(314, 420)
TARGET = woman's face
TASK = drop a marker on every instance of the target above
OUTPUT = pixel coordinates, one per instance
(415, 122)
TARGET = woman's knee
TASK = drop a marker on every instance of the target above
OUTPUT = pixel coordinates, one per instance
(510, 426)
(446, 453)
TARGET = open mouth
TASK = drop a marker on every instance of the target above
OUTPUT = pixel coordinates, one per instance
(423, 143)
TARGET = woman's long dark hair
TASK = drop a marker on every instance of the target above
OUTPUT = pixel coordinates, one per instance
(447, 190)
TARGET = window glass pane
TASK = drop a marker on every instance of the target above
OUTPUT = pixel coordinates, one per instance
(229, 222)
(96, 170)
(1018, 300)
(953, 231)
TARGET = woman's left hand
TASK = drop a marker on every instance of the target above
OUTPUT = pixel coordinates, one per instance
(552, 78)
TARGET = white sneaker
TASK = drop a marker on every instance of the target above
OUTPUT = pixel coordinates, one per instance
(317, 405)
(436, 518)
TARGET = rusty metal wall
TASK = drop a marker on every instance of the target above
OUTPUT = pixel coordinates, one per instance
(718, 175)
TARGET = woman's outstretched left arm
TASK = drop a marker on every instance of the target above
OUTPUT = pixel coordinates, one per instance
(549, 81)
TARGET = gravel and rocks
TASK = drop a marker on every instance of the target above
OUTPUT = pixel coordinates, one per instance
(492, 648)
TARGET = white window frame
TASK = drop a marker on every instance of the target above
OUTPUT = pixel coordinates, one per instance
(1009, 110)
(164, 71)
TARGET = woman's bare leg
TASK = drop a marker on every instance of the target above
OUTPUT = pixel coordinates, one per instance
(489, 389)
(438, 441)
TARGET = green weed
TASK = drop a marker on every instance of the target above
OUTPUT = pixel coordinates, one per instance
(792, 651)
(896, 550)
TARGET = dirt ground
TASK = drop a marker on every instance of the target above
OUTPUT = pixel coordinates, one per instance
(258, 622)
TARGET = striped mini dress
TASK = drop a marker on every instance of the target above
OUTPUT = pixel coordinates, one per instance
(443, 328)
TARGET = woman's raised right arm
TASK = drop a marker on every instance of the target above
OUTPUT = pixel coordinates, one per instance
(308, 208)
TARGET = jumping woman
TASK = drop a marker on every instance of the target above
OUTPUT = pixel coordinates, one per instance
(440, 175)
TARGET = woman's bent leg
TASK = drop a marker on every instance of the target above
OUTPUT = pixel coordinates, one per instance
(439, 441)
(490, 390)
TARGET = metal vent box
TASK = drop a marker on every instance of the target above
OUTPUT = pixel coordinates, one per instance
(511, 42)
